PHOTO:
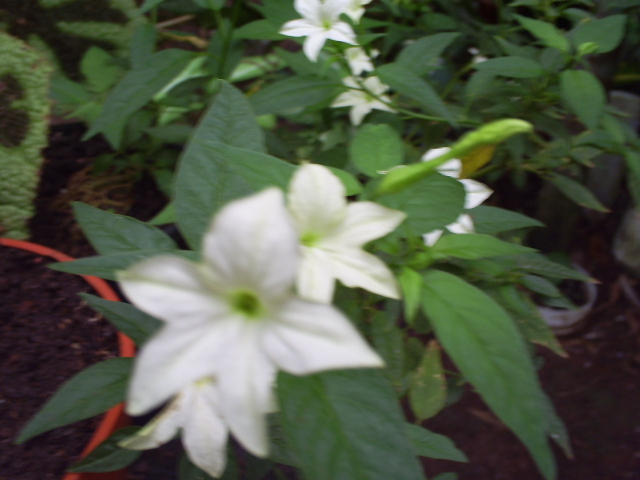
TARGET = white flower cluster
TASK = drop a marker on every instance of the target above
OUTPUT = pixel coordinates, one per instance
(234, 320)
(321, 22)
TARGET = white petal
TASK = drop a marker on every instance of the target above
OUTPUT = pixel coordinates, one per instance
(246, 376)
(315, 281)
(375, 86)
(253, 245)
(299, 28)
(365, 221)
(358, 112)
(172, 359)
(313, 44)
(316, 199)
(464, 224)
(170, 288)
(476, 193)
(435, 153)
(334, 8)
(342, 32)
(308, 8)
(357, 268)
(162, 428)
(204, 434)
(311, 337)
(431, 238)
(348, 99)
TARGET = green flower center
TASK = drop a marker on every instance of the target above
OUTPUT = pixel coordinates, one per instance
(309, 239)
(247, 304)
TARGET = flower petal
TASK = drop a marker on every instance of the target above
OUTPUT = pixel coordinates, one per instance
(205, 433)
(314, 43)
(431, 238)
(253, 245)
(170, 288)
(349, 99)
(464, 224)
(435, 153)
(299, 28)
(451, 168)
(476, 193)
(245, 377)
(365, 221)
(342, 32)
(310, 337)
(316, 199)
(314, 281)
(308, 8)
(172, 359)
(357, 268)
(162, 428)
(358, 112)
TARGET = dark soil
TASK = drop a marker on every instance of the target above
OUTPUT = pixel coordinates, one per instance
(47, 335)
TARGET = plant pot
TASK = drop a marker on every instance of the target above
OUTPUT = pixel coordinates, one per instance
(114, 418)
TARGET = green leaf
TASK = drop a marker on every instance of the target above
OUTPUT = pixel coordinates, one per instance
(491, 220)
(486, 346)
(388, 340)
(407, 83)
(584, 95)
(528, 318)
(428, 390)
(550, 35)
(375, 148)
(426, 443)
(203, 184)
(259, 30)
(136, 89)
(350, 182)
(108, 456)
(105, 266)
(512, 67)
(475, 245)
(292, 94)
(576, 192)
(346, 425)
(431, 203)
(632, 160)
(420, 56)
(540, 265)
(606, 32)
(540, 285)
(91, 392)
(143, 42)
(125, 317)
(64, 90)
(148, 5)
(411, 284)
(110, 233)
(98, 68)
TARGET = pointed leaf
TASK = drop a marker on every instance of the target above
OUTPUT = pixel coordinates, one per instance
(89, 393)
(487, 348)
(584, 95)
(539, 264)
(411, 284)
(108, 456)
(513, 67)
(346, 425)
(420, 56)
(606, 32)
(376, 148)
(491, 220)
(292, 94)
(577, 192)
(428, 390)
(426, 443)
(475, 245)
(550, 35)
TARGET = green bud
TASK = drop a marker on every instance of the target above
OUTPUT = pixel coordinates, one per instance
(587, 47)
(490, 134)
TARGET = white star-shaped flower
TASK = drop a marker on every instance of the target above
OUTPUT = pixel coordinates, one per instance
(358, 60)
(320, 22)
(234, 317)
(332, 233)
(361, 101)
(475, 194)
(196, 412)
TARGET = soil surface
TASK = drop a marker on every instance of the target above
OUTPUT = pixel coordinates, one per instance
(595, 390)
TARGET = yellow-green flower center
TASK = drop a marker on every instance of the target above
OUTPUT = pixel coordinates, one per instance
(309, 239)
(247, 304)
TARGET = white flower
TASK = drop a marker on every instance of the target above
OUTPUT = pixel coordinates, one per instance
(358, 60)
(332, 234)
(475, 194)
(355, 9)
(234, 317)
(320, 22)
(360, 101)
(195, 411)
(477, 58)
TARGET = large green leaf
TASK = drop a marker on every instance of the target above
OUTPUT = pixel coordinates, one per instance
(539, 264)
(550, 35)
(136, 89)
(125, 317)
(513, 67)
(489, 351)
(432, 203)
(292, 94)
(428, 390)
(108, 456)
(584, 95)
(606, 32)
(111, 233)
(205, 182)
(407, 83)
(475, 245)
(89, 393)
(426, 443)
(420, 55)
(346, 425)
(490, 220)
(576, 192)
(376, 148)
